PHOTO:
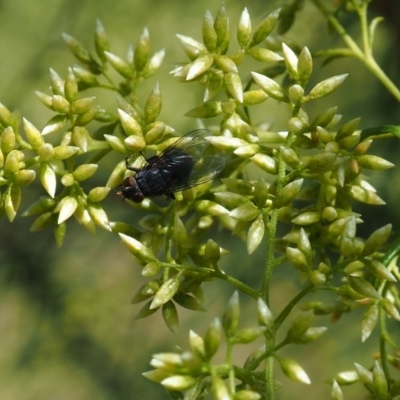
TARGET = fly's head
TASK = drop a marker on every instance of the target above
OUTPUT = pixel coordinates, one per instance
(131, 190)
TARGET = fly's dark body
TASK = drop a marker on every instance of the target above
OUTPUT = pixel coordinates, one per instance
(180, 166)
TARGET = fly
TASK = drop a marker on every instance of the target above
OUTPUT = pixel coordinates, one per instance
(180, 166)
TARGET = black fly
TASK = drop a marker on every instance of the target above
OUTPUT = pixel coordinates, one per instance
(180, 166)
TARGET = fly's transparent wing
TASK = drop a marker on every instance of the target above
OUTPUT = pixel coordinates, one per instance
(205, 169)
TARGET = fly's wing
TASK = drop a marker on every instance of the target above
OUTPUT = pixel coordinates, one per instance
(192, 144)
(205, 169)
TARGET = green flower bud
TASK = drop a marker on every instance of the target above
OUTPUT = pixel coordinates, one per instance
(6, 118)
(85, 76)
(260, 192)
(264, 315)
(212, 251)
(12, 201)
(46, 152)
(209, 34)
(71, 86)
(264, 55)
(214, 85)
(117, 175)
(180, 239)
(192, 47)
(179, 382)
(266, 163)
(48, 178)
(64, 152)
(325, 118)
(60, 231)
(230, 321)
(252, 97)
(166, 291)
(295, 125)
(364, 196)
(347, 129)
(321, 162)
(25, 176)
(33, 135)
(42, 205)
(239, 186)
(380, 383)
(81, 138)
(374, 162)
(7, 140)
(307, 218)
(248, 335)
(212, 338)
(290, 61)
(299, 326)
(369, 321)
(264, 28)
(170, 316)
(304, 65)
(153, 64)
(365, 376)
(60, 104)
(66, 207)
(326, 87)
(152, 107)
(99, 216)
(234, 85)
(360, 285)
(84, 172)
(294, 371)
(286, 214)
(255, 234)
(323, 135)
(120, 65)
(226, 143)
(81, 106)
(363, 147)
(43, 221)
(221, 26)
(199, 66)
(151, 269)
(140, 251)
(98, 194)
(289, 156)
(380, 271)
(296, 92)
(116, 143)
(57, 84)
(288, 193)
(349, 142)
(226, 64)
(142, 50)
(55, 124)
(329, 214)
(210, 208)
(390, 309)
(101, 40)
(135, 143)
(336, 393)
(218, 389)
(244, 29)
(77, 49)
(130, 125)
(311, 334)
(246, 212)
(297, 258)
(208, 109)
(155, 133)
(269, 86)
(67, 180)
(317, 278)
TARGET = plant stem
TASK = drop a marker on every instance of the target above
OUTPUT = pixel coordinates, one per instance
(365, 56)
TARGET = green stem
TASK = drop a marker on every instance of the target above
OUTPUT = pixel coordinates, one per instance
(382, 343)
(365, 56)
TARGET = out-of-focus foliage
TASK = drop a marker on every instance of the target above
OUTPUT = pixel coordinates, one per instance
(288, 196)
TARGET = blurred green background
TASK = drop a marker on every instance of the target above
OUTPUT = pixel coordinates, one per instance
(67, 328)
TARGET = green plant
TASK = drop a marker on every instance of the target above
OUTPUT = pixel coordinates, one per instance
(312, 175)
